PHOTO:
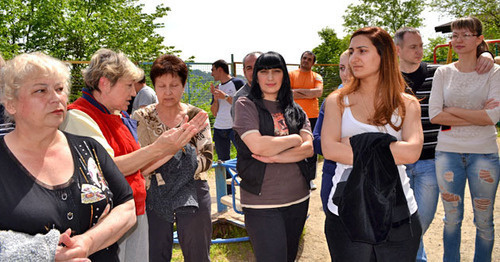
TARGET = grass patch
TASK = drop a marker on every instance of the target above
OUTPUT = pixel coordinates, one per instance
(241, 251)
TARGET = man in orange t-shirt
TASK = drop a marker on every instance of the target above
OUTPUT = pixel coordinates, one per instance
(307, 86)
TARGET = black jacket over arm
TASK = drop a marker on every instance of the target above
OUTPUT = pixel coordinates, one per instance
(373, 199)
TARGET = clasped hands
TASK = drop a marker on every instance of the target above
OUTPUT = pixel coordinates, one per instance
(218, 94)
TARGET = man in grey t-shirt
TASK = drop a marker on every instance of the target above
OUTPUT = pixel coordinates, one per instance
(145, 95)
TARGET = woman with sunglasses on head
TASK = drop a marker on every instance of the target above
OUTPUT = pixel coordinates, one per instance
(274, 139)
(466, 103)
(372, 109)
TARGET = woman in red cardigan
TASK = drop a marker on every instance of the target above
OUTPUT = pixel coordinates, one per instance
(101, 114)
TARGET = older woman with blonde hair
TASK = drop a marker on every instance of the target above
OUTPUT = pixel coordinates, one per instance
(5, 125)
(101, 113)
(54, 180)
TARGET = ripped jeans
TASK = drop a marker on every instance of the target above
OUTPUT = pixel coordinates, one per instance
(482, 172)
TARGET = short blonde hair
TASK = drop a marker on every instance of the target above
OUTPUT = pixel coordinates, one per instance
(27, 66)
(112, 65)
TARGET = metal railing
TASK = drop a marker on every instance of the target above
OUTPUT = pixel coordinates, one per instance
(197, 90)
(494, 42)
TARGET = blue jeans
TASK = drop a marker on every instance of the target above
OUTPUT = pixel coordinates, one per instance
(423, 181)
(482, 172)
(222, 140)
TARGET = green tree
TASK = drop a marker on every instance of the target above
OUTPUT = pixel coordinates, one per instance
(441, 53)
(75, 29)
(328, 52)
(488, 11)
(388, 14)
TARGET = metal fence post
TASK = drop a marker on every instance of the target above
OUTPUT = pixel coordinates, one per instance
(233, 66)
(220, 185)
(188, 85)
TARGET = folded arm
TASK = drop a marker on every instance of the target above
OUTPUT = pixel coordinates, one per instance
(474, 117)
(294, 154)
(307, 93)
(408, 150)
(334, 148)
(270, 145)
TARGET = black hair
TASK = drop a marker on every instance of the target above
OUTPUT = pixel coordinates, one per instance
(309, 53)
(271, 60)
(221, 64)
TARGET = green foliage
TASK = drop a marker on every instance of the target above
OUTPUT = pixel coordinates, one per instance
(328, 52)
(75, 29)
(441, 53)
(197, 92)
(388, 14)
(488, 11)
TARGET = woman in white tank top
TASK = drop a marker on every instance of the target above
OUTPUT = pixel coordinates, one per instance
(373, 101)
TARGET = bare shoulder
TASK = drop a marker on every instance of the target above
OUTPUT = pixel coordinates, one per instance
(332, 103)
(411, 103)
(410, 99)
(332, 98)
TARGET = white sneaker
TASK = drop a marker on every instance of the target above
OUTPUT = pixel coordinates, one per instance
(313, 186)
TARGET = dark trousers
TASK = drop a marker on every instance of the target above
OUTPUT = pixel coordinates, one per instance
(314, 158)
(222, 140)
(275, 232)
(313, 122)
(194, 231)
(402, 244)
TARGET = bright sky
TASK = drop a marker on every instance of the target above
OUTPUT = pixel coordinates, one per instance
(215, 29)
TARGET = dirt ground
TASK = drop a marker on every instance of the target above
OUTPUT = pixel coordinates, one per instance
(316, 249)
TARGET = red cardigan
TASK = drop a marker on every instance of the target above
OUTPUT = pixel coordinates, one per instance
(121, 140)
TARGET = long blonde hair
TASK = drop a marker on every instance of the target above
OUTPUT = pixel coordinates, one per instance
(391, 85)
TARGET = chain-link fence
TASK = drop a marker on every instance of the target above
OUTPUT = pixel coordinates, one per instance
(197, 90)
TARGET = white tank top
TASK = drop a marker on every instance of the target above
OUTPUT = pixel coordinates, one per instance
(350, 127)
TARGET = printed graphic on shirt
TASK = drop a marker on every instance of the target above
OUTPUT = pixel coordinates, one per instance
(91, 194)
(280, 127)
(95, 187)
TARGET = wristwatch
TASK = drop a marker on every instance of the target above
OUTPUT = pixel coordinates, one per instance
(226, 96)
